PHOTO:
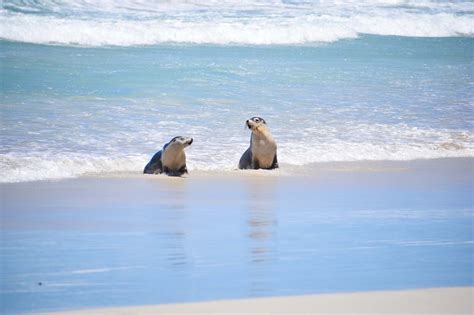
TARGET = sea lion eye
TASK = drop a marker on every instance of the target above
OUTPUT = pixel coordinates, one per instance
(257, 120)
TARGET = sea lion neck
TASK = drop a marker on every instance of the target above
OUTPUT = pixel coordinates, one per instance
(262, 132)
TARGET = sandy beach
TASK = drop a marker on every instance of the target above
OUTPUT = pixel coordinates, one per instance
(130, 239)
(428, 301)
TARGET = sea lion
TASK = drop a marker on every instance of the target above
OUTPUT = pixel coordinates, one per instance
(262, 152)
(171, 160)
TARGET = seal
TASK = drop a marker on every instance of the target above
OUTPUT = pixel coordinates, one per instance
(171, 160)
(262, 152)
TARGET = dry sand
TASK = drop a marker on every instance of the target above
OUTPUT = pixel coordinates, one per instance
(423, 301)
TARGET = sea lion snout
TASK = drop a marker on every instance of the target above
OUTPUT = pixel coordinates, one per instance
(186, 141)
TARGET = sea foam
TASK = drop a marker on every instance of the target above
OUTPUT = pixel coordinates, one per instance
(38, 166)
(243, 23)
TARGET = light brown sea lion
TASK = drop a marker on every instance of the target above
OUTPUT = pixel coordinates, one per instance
(262, 152)
(171, 160)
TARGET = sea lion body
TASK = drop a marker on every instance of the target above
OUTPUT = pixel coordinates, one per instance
(262, 152)
(171, 160)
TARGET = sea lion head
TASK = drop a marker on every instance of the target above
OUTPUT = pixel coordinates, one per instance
(256, 123)
(180, 141)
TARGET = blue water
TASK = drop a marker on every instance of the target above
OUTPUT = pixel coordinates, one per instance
(181, 241)
(99, 89)
(67, 111)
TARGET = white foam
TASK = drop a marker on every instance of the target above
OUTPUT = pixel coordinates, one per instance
(263, 22)
(66, 157)
(38, 166)
(101, 270)
(17, 168)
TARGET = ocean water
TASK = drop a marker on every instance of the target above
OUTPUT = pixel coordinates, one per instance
(93, 88)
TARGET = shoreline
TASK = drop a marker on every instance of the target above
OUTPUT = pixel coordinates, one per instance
(285, 170)
(456, 300)
(292, 171)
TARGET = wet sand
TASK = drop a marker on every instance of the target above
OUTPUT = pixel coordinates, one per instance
(131, 239)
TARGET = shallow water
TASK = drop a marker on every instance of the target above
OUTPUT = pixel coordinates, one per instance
(99, 88)
(126, 241)
(67, 111)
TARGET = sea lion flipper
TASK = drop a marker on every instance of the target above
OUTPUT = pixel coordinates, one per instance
(183, 170)
(154, 166)
(275, 162)
(246, 160)
(255, 165)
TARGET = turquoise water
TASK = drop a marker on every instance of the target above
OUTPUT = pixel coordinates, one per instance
(68, 111)
(92, 89)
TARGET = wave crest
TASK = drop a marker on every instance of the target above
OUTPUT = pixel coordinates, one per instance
(262, 23)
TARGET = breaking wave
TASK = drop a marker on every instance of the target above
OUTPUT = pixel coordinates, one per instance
(130, 23)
